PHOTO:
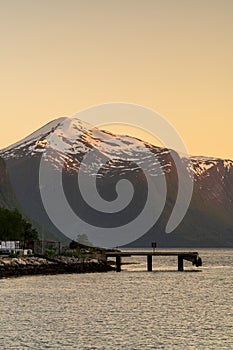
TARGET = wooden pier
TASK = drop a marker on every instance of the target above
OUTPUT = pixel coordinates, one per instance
(190, 256)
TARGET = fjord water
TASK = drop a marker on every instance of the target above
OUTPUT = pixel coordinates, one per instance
(134, 309)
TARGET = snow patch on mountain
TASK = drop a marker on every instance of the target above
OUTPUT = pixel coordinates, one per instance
(70, 139)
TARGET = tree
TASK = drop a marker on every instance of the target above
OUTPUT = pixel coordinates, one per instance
(81, 242)
(83, 239)
(13, 227)
(30, 233)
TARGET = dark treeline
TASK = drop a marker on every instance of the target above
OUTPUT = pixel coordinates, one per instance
(13, 227)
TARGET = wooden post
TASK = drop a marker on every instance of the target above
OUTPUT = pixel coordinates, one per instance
(149, 262)
(180, 263)
(118, 263)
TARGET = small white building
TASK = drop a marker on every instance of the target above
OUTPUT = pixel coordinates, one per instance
(8, 247)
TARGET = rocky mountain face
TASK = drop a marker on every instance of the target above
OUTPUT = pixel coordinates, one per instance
(65, 144)
(7, 196)
(9, 200)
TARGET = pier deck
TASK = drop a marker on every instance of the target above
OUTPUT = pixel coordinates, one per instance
(181, 255)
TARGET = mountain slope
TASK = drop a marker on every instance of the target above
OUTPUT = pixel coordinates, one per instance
(7, 196)
(9, 200)
(64, 143)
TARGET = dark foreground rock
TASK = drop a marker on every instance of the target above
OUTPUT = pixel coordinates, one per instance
(14, 267)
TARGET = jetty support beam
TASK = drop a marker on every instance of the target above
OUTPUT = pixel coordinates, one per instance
(149, 262)
(118, 263)
(180, 263)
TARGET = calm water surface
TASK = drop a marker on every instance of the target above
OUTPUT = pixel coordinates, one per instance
(134, 309)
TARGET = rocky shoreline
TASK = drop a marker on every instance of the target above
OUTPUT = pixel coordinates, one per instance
(21, 266)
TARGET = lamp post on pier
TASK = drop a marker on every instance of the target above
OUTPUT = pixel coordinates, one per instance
(153, 245)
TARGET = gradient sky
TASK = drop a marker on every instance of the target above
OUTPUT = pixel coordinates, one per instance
(174, 56)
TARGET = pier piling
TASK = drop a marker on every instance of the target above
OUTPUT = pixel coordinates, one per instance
(180, 263)
(118, 263)
(149, 262)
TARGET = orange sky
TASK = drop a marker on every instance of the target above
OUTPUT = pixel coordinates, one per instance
(174, 56)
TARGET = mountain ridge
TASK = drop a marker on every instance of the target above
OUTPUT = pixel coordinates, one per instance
(71, 140)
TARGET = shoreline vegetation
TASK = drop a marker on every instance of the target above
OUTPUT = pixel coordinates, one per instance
(44, 265)
(17, 236)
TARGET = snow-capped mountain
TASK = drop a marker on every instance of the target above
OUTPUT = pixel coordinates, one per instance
(71, 139)
(64, 143)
